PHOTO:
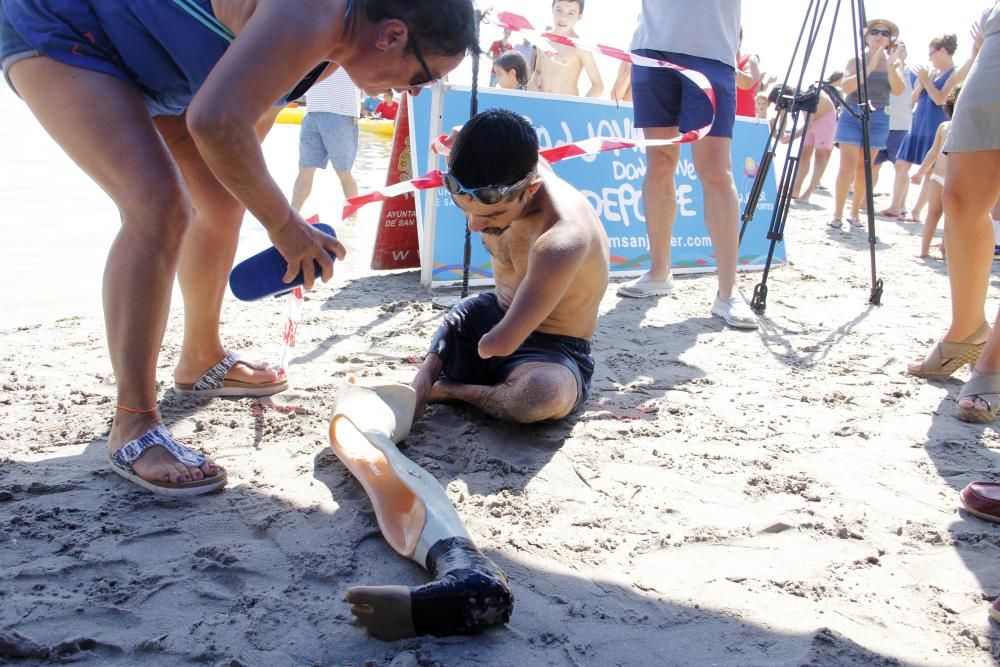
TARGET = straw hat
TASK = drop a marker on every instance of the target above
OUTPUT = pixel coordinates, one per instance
(893, 28)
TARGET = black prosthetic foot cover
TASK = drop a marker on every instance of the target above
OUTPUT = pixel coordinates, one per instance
(469, 593)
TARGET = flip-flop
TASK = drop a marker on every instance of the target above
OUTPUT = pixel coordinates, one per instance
(980, 387)
(127, 454)
(214, 383)
(836, 223)
(856, 223)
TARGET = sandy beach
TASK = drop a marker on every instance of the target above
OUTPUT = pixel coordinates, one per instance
(787, 496)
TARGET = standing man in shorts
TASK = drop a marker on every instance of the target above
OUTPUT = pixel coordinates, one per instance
(703, 36)
(329, 134)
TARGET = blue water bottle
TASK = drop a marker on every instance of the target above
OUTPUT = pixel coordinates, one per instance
(261, 275)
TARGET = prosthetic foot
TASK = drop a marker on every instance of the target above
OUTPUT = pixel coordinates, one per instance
(469, 593)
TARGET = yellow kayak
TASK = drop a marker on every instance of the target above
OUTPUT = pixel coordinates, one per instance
(291, 115)
(377, 126)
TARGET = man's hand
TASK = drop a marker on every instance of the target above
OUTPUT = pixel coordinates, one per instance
(301, 245)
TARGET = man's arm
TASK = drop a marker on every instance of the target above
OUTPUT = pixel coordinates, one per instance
(594, 74)
(535, 82)
(622, 81)
(553, 262)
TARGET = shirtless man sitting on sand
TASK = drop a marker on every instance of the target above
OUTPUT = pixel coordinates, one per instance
(561, 73)
(520, 353)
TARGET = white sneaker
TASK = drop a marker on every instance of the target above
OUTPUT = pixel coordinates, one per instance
(736, 312)
(645, 286)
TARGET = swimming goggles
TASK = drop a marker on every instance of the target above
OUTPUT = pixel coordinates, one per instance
(487, 194)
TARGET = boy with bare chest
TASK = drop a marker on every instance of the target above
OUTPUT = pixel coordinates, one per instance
(522, 352)
(560, 73)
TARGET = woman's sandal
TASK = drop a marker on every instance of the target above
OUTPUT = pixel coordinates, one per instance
(213, 382)
(947, 357)
(984, 388)
(127, 454)
(856, 223)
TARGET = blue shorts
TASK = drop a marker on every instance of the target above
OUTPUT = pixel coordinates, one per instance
(164, 49)
(666, 98)
(457, 343)
(888, 154)
(328, 137)
(849, 128)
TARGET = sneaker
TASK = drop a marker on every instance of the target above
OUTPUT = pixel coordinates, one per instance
(736, 312)
(646, 286)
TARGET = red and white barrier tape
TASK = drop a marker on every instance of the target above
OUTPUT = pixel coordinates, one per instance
(521, 25)
(434, 179)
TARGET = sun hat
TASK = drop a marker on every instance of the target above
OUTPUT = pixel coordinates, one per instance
(893, 28)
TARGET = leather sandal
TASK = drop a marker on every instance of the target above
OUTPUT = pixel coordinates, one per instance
(947, 356)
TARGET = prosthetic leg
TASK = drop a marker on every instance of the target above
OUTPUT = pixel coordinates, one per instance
(469, 593)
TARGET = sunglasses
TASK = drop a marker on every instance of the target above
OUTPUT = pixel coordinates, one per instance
(879, 31)
(487, 194)
(412, 45)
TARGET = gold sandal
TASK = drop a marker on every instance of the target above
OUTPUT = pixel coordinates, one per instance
(947, 357)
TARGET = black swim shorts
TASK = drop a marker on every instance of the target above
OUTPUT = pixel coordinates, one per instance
(457, 343)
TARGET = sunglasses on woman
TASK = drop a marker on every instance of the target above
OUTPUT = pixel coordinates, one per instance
(879, 31)
(487, 194)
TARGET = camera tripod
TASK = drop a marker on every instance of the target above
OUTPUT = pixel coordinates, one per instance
(795, 106)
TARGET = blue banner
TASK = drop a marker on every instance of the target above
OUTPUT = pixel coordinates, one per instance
(612, 182)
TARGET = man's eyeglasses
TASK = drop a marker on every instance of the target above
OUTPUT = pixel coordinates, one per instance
(879, 31)
(412, 45)
(487, 194)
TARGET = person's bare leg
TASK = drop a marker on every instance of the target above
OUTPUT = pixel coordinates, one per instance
(303, 186)
(900, 187)
(805, 164)
(918, 207)
(469, 592)
(821, 158)
(860, 185)
(348, 184)
(660, 198)
(103, 125)
(206, 258)
(934, 211)
(968, 235)
(713, 162)
(849, 157)
(534, 392)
